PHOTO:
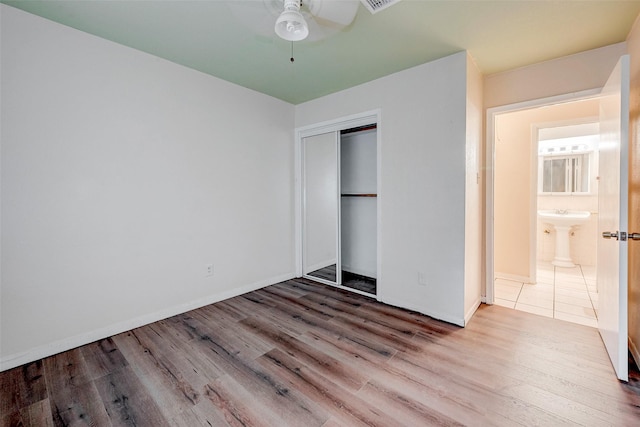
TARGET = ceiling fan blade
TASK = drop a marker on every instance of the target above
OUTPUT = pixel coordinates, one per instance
(256, 15)
(338, 13)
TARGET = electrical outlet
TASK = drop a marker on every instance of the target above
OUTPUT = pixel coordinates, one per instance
(209, 270)
(422, 279)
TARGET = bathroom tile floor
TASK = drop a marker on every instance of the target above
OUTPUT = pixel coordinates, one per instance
(561, 293)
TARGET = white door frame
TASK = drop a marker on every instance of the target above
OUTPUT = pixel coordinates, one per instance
(489, 297)
(336, 125)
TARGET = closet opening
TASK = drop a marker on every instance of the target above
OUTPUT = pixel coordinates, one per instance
(358, 211)
(339, 205)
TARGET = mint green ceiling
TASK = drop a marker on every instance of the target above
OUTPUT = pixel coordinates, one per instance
(207, 36)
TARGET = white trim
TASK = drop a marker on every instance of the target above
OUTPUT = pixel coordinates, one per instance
(319, 279)
(297, 200)
(13, 360)
(533, 204)
(489, 293)
(379, 200)
(341, 123)
(490, 174)
(458, 321)
(338, 144)
(469, 314)
(513, 277)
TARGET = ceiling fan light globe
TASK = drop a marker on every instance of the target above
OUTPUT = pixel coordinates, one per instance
(292, 26)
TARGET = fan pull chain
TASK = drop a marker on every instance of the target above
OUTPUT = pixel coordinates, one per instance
(292, 59)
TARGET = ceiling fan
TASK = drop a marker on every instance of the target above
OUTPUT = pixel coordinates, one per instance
(296, 20)
(291, 25)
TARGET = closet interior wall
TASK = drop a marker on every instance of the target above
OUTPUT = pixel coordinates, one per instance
(358, 182)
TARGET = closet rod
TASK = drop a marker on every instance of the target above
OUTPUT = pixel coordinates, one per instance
(359, 129)
(360, 195)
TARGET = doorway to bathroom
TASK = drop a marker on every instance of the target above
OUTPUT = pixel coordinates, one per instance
(613, 194)
(545, 209)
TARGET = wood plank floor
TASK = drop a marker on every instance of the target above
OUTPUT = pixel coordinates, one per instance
(302, 354)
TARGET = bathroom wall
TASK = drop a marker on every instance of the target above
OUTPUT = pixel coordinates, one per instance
(583, 238)
(515, 182)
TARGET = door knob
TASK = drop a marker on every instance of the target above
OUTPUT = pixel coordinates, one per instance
(620, 235)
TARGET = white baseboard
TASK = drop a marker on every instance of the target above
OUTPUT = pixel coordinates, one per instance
(469, 314)
(18, 359)
(436, 315)
(513, 277)
(635, 351)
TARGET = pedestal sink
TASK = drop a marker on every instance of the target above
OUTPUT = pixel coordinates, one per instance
(562, 221)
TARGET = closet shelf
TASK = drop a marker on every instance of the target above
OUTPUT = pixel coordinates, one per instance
(360, 195)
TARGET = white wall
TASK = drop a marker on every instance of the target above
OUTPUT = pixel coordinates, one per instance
(422, 193)
(358, 236)
(123, 175)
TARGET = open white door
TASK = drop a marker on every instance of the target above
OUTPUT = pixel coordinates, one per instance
(613, 217)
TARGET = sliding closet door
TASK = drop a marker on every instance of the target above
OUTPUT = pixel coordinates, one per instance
(321, 208)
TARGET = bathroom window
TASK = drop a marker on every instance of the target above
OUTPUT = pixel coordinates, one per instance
(565, 174)
(566, 156)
